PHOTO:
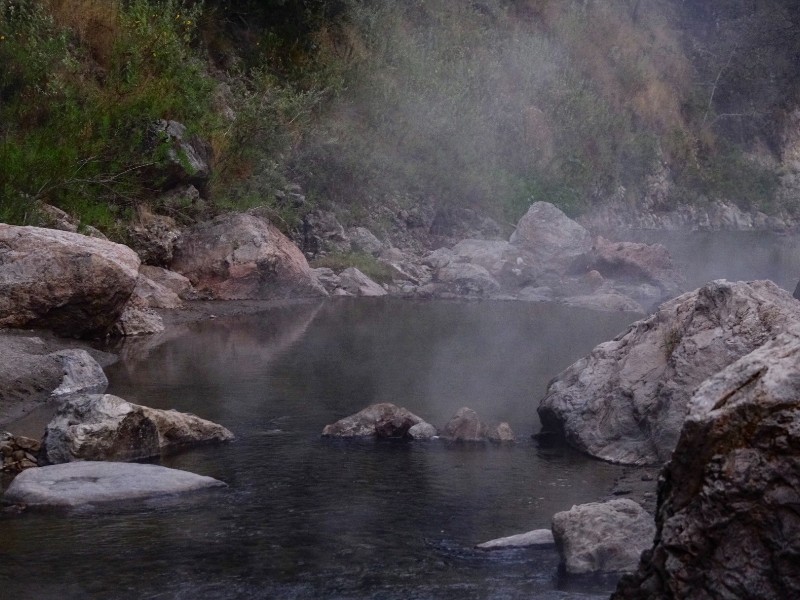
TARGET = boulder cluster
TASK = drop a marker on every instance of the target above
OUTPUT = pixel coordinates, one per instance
(388, 421)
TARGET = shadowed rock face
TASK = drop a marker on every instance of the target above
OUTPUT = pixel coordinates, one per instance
(70, 283)
(627, 400)
(241, 257)
(728, 524)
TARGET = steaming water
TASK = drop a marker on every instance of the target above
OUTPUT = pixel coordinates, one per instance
(305, 517)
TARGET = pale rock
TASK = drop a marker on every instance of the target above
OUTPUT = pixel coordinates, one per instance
(535, 538)
(358, 284)
(627, 400)
(78, 484)
(603, 537)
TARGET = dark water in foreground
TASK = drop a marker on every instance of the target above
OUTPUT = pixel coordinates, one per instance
(305, 517)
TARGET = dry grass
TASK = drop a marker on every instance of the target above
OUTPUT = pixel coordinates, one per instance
(95, 22)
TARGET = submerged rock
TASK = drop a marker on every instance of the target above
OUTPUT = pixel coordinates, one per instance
(603, 537)
(70, 283)
(627, 400)
(81, 483)
(241, 257)
(537, 537)
(383, 420)
(106, 427)
(727, 517)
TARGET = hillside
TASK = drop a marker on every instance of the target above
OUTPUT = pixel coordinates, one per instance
(487, 105)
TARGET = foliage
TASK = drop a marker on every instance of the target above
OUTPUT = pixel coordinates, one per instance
(366, 263)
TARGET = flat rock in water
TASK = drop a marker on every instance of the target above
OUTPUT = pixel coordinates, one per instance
(537, 537)
(79, 483)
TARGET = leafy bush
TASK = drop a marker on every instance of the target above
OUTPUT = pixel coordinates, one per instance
(366, 263)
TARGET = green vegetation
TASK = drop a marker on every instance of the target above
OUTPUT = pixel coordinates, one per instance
(366, 263)
(489, 105)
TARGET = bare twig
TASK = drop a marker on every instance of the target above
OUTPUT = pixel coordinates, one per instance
(716, 82)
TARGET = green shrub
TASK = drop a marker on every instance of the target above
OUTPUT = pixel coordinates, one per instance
(366, 263)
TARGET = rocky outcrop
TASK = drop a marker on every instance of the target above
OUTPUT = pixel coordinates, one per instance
(241, 256)
(322, 232)
(85, 483)
(82, 374)
(633, 263)
(67, 282)
(537, 537)
(355, 283)
(363, 240)
(465, 426)
(138, 318)
(155, 295)
(551, 236)
(18, 453)
(603, 537)
(727, 517)
(463, 279)
(383, 420)
(153, 239)
(172, 281)
(106, 427)
(627, 400)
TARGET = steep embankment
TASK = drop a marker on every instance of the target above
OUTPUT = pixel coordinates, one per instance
(406, 110)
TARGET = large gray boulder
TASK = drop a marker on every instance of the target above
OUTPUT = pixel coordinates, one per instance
(551, 236)
(70, 283)
(106, 427)
(85, 483)
(603, 537)
(626, 401)
(727, 518)
(384, 420)
(240, 257)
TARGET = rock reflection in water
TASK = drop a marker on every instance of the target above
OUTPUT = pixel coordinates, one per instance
(306, 517)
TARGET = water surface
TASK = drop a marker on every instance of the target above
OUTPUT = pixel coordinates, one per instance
(306, 517)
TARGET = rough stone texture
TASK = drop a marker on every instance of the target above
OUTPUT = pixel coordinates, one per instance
(634, 262)
(82, 374)
(106, 427)
(322, 232)
(603, 537)
(466, 279)
(627, 400)
(100, 427)
(18, 453)
(383, 420)
(512, 266)
(358, 284)
(138, 319)
(81, 483)
(174, 282)
(728, 524)
(465, 426)
(423, 431)
(70, 283)
(189, 157)
(551, 236)
(240, 257)
(363, 240)
(153, 239)
(177, 430)
(155, 295)
(537, 537)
